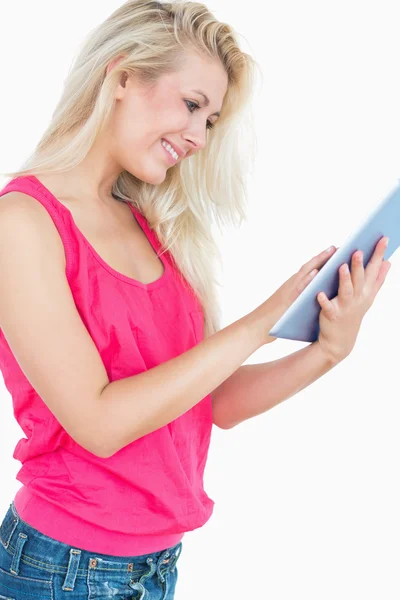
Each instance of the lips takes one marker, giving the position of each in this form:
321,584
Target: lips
178,150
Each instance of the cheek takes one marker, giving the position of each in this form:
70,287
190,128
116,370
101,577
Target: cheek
168,116
138,129
128,133
124,142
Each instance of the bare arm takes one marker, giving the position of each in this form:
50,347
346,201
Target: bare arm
44,330
254,389
135,406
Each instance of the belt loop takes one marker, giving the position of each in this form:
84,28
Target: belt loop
8,525
164,559
153,566
21,541
73,564
176,555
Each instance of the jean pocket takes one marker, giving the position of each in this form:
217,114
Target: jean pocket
197,317
27,581
14,586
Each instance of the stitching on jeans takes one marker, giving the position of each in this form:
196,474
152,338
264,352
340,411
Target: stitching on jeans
62,570
45,582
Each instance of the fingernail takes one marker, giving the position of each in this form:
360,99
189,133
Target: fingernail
329,249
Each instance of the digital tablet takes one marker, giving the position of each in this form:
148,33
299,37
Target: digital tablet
301,320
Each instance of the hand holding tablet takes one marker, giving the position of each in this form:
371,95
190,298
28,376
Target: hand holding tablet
301,321
340,319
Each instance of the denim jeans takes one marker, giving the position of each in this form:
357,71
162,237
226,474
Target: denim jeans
36,567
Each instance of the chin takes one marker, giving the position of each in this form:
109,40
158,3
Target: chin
154,177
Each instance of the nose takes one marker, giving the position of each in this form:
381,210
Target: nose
197,138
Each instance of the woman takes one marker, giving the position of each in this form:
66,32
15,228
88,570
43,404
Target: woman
116,362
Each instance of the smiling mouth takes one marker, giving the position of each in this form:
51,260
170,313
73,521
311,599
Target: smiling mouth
169,149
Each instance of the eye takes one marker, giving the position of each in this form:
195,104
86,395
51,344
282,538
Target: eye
196,107
193,106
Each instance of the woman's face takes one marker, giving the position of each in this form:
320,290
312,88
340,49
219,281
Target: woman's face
171,111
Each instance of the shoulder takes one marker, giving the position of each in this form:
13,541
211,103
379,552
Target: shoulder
25,221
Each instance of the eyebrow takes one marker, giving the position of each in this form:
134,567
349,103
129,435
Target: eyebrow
206,100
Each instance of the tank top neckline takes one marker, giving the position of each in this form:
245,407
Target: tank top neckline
142,222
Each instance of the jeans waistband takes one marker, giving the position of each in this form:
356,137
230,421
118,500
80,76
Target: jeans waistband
23,541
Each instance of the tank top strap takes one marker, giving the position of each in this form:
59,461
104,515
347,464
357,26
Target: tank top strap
150,234
28,184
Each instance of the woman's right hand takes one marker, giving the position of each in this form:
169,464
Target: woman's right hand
272,309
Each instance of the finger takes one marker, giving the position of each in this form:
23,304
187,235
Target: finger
304,281
380,280
357,272
373,266
346,290
326,305
317,261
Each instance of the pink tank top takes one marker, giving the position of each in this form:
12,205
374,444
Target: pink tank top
143,498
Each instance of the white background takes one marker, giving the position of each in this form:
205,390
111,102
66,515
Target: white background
306,494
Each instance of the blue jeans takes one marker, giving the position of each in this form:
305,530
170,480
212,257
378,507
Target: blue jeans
34,566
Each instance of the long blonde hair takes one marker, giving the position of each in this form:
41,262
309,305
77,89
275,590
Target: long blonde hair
206,187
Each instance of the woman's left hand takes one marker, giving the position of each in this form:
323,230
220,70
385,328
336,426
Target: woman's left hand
340,318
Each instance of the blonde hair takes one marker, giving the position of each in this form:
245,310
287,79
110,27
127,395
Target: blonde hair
208,186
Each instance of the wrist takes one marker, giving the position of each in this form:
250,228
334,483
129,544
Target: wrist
330,358
259,324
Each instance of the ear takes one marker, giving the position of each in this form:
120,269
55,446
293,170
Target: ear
124,76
